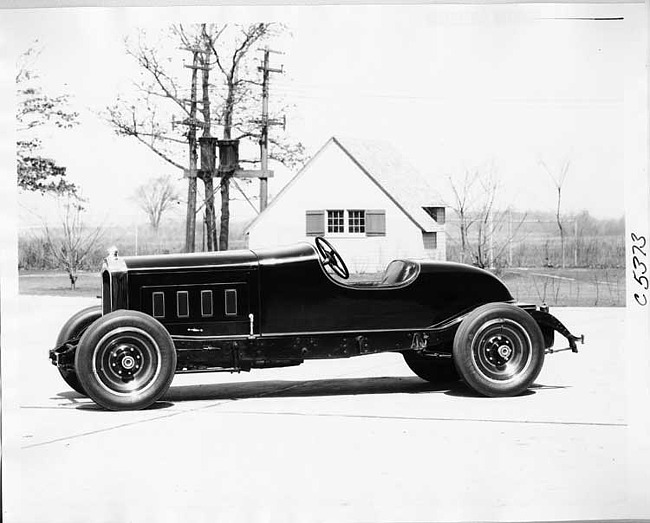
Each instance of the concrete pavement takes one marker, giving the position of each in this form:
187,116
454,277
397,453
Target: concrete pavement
341,440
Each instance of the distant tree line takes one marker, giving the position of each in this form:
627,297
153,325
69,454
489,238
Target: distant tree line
485,232
531,239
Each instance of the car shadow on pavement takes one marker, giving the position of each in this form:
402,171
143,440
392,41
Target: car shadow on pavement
96,408
464,391
69,395
308,388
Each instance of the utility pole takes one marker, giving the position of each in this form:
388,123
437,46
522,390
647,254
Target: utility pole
207,164
264,136
190,223
200,61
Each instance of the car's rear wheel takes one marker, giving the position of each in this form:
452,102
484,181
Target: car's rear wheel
73,328
431,368
125,360
499,350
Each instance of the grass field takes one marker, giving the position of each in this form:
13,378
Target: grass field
568,287
50,283
556,287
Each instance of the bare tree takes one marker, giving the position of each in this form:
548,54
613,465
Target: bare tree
155,197
230,64
485,230
485,223
239,101
150,115
558,179
463,205
71,247
163,119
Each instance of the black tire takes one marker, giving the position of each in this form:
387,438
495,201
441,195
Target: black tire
499,350
73,328
430,368
125,360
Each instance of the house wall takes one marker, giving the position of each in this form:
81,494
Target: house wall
333,181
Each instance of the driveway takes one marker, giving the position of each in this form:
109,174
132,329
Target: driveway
341,440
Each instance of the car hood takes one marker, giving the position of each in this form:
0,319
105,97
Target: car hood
223,259
184,261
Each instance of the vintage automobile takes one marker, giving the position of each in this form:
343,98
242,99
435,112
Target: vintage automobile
239,310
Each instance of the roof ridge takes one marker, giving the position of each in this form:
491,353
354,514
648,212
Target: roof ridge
377,183
388,167
378,174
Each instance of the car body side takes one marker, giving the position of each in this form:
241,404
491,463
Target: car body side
238,310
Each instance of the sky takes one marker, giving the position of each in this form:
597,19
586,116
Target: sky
500,87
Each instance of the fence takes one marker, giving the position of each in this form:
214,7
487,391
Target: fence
533,243
537,243
138,239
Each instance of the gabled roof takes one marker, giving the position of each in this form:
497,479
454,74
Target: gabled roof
407,187
390,171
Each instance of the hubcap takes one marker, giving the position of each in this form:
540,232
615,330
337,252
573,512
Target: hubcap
501,350
126,360
505,352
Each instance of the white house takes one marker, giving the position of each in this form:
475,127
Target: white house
365,199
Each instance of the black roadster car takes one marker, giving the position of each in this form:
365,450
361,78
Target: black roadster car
239,310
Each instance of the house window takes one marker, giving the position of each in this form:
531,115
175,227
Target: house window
182,304
335,222
437,213
356,222
430,240
339,221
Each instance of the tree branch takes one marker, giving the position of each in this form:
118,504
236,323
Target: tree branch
147,59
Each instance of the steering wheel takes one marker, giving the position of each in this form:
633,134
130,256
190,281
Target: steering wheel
331,257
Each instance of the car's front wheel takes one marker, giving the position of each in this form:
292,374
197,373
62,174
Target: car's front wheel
431,368
499,350
125,360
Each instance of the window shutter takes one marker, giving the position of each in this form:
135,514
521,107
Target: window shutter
315,223
376,223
